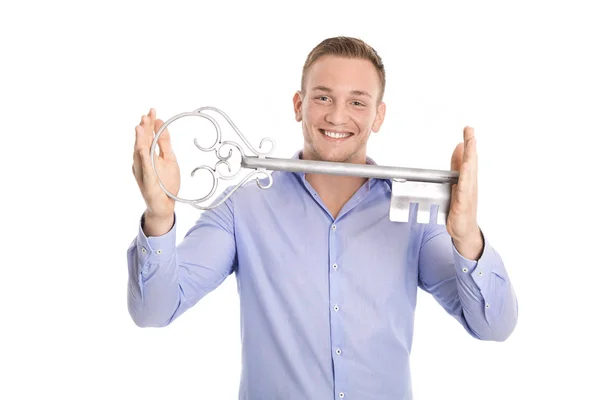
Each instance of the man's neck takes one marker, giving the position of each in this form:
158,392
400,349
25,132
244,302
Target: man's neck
335,190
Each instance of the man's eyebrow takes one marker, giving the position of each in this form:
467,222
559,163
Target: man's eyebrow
360,93
353,92
322,89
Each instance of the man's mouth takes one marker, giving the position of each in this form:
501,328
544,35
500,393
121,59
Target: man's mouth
335,135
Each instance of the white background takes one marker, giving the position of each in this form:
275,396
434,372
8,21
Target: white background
76,78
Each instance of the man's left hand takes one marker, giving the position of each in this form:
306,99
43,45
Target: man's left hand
462,217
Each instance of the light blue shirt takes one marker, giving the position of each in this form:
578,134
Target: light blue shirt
327,304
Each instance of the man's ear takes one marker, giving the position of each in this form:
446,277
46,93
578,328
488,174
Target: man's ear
379,117
298,106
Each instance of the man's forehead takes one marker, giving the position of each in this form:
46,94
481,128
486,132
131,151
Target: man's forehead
329,71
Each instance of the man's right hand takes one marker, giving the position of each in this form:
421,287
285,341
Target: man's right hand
160,208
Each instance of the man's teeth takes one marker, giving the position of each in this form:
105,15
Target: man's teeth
336,135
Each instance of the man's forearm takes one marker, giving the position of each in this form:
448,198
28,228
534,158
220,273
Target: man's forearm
156,225
471,248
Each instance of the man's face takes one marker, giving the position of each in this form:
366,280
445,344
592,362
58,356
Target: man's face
339,109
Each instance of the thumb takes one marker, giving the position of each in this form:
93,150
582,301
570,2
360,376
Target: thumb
457,157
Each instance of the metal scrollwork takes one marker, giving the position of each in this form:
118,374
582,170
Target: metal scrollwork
222,159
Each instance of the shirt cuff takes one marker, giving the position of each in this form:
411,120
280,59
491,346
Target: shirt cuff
155,247
477,270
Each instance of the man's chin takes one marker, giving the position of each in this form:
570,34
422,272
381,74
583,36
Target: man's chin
324,153
334,157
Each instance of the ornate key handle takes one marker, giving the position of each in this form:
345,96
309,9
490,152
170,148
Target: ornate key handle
217,147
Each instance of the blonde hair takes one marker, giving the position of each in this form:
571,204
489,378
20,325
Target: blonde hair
348,47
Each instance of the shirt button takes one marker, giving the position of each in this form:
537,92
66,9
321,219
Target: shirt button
336,308
338,352
480,273
333,227
159,251
334,266
487,305
144,250
341,395
465,270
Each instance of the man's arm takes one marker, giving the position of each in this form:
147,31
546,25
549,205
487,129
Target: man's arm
165,280
478,293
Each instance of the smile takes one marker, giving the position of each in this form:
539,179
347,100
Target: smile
335,135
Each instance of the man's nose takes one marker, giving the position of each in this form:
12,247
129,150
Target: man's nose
337,114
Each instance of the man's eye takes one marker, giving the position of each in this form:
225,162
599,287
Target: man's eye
324,98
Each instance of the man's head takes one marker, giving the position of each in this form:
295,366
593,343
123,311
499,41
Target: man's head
340,101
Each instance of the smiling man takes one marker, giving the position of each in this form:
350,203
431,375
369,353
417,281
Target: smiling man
327,283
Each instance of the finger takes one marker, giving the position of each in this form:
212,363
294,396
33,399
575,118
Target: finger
164,141
473,180
141,141
151,133
141,156
470,153
148,126
152,116
459,200
464,183
454,198
472,158
468,133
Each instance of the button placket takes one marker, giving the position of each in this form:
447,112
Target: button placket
337,336
333,301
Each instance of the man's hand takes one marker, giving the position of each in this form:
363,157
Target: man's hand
462,218
160,208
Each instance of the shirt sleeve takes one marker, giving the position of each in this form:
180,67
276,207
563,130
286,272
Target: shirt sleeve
478,293
166,279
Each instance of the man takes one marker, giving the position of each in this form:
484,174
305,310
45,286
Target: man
327,283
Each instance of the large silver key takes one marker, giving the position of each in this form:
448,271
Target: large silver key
430,190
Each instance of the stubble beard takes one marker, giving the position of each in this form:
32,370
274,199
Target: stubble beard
333,155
